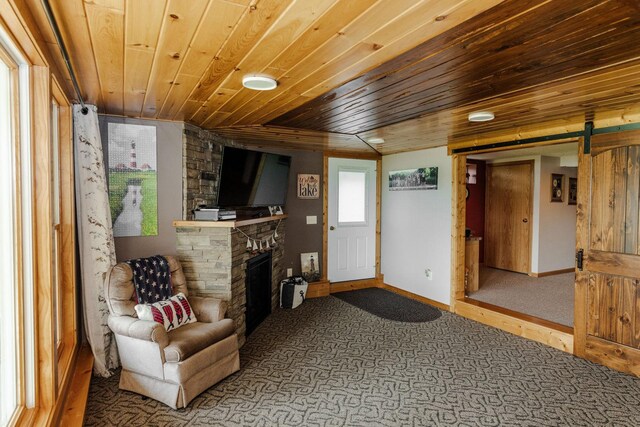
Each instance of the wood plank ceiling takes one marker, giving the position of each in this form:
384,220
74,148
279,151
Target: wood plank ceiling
406,70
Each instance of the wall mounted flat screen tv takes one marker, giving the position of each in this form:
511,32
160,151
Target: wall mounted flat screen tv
252,178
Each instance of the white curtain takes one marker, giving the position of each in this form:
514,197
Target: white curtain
95,237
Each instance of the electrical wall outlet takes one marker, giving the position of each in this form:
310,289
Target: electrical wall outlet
312,219
428,273
289,272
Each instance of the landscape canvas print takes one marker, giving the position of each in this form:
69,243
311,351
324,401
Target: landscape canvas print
133,180
414,179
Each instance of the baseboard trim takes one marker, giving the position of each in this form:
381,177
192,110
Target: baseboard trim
525,326
318,289
353,285
552,273
76,403
416,297
324,288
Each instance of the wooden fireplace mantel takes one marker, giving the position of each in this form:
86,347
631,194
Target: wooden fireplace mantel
228,223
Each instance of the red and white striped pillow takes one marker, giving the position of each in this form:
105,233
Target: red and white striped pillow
171,313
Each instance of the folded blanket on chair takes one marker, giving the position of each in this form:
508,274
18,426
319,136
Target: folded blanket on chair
152,279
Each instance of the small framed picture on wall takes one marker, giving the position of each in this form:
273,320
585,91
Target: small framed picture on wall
310,266
308,186
573,191
557,187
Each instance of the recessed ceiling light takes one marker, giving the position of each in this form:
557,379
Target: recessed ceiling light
251,81
375,140
481,116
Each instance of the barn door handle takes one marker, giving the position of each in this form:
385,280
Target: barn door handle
525,220
580,259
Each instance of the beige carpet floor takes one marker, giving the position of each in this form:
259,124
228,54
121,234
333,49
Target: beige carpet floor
550,298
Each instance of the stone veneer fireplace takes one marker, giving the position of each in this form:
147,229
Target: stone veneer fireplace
214,259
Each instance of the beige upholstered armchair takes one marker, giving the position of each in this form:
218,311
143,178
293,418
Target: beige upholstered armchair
171,367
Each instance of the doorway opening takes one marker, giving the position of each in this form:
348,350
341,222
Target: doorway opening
521,222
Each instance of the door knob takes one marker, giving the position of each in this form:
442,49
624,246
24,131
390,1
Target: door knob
525,220
332,228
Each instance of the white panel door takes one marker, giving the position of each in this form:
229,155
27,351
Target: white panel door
351,219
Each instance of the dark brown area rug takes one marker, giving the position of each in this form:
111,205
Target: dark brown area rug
389,305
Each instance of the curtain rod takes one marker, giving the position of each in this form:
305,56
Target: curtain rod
65,54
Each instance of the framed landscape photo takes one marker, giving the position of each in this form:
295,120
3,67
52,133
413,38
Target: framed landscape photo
573,191
557,187
414,179
310,266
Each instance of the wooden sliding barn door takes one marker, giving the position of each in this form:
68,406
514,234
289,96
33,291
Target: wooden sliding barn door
508,201
607,314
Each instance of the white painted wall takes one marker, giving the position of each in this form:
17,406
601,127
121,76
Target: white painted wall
557,221
416,227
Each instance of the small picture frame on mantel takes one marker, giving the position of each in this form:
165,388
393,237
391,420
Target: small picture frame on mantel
275,210
557,188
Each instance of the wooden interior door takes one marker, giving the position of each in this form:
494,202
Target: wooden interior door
509,197
607,305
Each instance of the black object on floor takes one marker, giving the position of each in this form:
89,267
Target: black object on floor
389,305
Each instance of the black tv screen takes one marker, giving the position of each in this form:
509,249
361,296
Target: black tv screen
253,178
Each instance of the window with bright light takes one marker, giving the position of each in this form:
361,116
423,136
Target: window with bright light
8,259
17,327
352,200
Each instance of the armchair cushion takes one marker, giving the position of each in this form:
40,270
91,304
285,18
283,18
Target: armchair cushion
171,313
208,309
194,337
139,329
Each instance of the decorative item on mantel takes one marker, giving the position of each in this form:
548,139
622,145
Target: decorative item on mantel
276,210
261,245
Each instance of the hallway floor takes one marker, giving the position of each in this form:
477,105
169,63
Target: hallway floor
550,297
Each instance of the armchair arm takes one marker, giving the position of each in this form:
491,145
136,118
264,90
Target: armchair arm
139,329
208,310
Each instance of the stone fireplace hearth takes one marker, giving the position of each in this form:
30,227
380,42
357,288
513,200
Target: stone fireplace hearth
214,259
